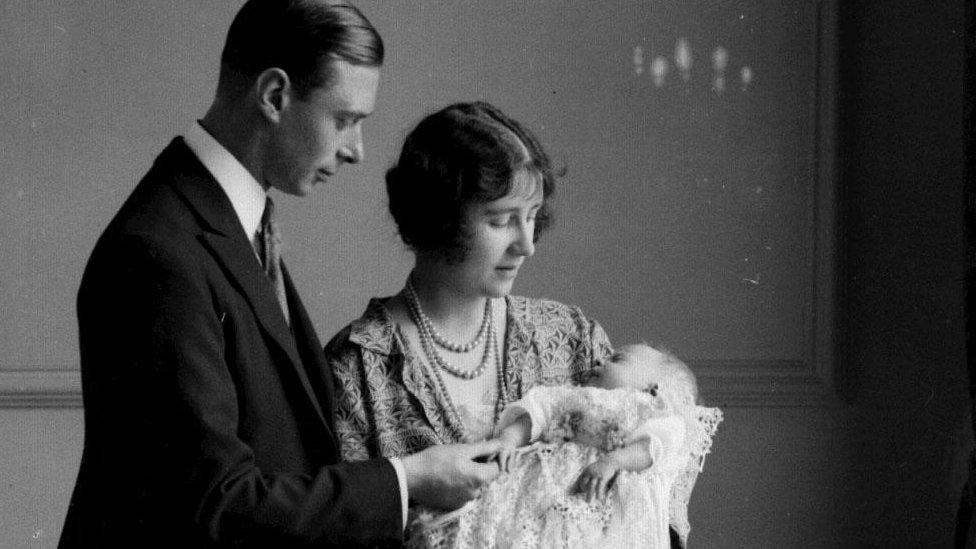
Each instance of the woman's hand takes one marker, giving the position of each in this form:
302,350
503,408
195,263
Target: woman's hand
597,479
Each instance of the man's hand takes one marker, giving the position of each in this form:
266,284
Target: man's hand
446,477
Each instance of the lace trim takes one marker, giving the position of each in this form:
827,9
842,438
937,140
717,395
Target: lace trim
703,423
500,517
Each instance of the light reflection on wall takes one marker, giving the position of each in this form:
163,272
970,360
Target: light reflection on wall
659,67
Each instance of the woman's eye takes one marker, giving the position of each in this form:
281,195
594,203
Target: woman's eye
498,221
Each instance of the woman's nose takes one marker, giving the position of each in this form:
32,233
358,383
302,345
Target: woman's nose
524,244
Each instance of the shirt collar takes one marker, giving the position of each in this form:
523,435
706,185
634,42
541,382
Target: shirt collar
246,195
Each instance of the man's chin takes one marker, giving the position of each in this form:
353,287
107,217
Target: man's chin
301,190
297,189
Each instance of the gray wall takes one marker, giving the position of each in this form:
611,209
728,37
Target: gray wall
656,218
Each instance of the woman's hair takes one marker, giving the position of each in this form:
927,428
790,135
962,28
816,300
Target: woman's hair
296,36
463,154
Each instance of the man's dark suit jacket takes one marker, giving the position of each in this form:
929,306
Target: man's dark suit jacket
208,421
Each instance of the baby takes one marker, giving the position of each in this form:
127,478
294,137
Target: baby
604,460
636,367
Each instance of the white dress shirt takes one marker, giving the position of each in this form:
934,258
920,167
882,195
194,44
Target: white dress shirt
248,198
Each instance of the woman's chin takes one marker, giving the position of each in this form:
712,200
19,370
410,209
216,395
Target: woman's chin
497,294
501,288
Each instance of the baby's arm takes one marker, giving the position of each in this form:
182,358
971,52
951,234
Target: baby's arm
647,445
597,477
521,421
512,436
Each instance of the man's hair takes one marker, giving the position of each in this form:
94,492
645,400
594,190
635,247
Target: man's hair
296,36
463,154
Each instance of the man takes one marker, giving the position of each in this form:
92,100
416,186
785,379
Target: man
208,402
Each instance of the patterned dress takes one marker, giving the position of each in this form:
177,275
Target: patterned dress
388,404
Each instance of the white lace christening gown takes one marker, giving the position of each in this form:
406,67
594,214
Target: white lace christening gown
534,506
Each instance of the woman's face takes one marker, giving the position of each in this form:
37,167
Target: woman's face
500,238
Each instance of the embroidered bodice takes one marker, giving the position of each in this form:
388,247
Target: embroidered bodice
387,402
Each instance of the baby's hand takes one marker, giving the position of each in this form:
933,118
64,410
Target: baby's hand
506,455
597,479
513,435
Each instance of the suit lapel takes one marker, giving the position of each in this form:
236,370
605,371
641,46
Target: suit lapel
310,350
224,237
260,294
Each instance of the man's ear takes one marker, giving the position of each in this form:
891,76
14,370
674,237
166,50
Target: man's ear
273,91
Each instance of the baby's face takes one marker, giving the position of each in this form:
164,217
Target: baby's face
633,366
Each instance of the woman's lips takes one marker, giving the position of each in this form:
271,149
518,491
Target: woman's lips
508,271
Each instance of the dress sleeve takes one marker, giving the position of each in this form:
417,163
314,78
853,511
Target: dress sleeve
550,343
595,346
599,341
352,428
665,437
539,404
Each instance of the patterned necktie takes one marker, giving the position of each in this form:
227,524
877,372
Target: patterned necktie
271,244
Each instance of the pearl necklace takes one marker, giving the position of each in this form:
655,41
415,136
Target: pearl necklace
433,356
428,344
501,399
440,340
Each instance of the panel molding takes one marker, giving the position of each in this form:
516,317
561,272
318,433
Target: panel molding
768,384
813,380
723,383
40,388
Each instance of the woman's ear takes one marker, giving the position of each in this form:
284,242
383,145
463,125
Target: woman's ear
272,89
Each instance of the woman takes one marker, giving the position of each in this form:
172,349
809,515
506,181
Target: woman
437,362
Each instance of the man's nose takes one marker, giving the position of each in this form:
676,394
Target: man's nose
352,150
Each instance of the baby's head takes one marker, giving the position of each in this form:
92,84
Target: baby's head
644,368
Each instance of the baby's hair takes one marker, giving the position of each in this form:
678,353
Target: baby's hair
681,370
